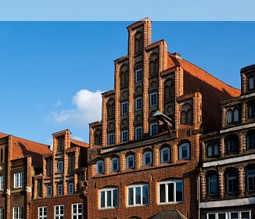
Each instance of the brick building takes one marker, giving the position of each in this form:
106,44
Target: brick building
144,154
20,159
228,173
60,190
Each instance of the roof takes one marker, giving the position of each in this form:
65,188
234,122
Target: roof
22,148
169,214
79,143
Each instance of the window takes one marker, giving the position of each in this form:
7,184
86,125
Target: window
61,140
115,164
165,155
186,114
252,110
1,213
71,162
18,180
130,161
138,195
49,166
138,75
138,42
124,136
212,184
49,190
229,116
251,83
153,129
59,212
153,99
170,191
124,108
233,116
39,188
232,144
138,132
250,177
138,103
100,166
18,213
70,188
212,149
77,211
250,142
60,166
184,151
109,198
236,115
231,182
1,183
111,138
230,215
60,189
147,158
42,212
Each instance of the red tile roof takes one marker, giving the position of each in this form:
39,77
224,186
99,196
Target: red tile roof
79,143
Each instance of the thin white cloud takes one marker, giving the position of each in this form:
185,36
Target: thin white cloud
87,108
77,138
58,103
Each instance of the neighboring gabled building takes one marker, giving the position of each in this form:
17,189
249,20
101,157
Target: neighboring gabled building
60,190
228,156
144,154
20,159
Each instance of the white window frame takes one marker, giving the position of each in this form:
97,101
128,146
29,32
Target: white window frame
112,193
132,157
162,153
182,147
77,210
98,164
153,129
1,213
49,191
138,75
138,132
124,108
153,99
111,138
42,212
17,212
60,166
136,195
59,212
70,188
1,183
165,184
60,189
124,136
147,154
115,161
138,103
228,214
18,180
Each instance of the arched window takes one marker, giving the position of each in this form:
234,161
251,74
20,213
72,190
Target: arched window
184,151
138,42
154,65
229,113
232,144
250,140
110,108
100,167
212,184
212,149
115,164
236,115
251,84
186,114
231,180
98,138
130,161
250,178
165,155
147,158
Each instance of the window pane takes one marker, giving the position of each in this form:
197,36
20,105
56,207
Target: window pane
222,216
162,189
102,199
211,216
109,198
145,195
179,191
138,195
115,198
130,196
234,215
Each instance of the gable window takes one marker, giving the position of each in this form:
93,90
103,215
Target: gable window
154,65
153,129
212,149
49,191
124,108
138,42
251,83
109,198
60,166
100,166
231,182
184,151
153,99
42,212
250,141
138,75
61,141
252,111
250,177
18,213
130,161
212,183
138,103
138,195
59,212
115,164
165,155
186,114
138,132
170,191
70,188
232,144
1,183
124,136
71,162
147,158
111,138
18,180
77,211
60,189
49,166
110,108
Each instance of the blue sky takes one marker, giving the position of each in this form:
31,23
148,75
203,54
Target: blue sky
52,73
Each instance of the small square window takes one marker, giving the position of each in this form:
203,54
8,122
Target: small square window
153,99
138,75
124,109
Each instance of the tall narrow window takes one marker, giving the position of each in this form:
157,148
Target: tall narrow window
124,108
250,141
212,184
231,182
18,180
77,211
71,163
165,155
124,136
60,189
153,99
60,166
18,213
138,75
100,166
147,158
236,115
1,213
59,212
138,103
49,166
251,82
49,191
138,132
111,138
1,183
70,188
130,161
232,144
252,110
153,129
61,140
184,151
115,164
229,113
250,176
